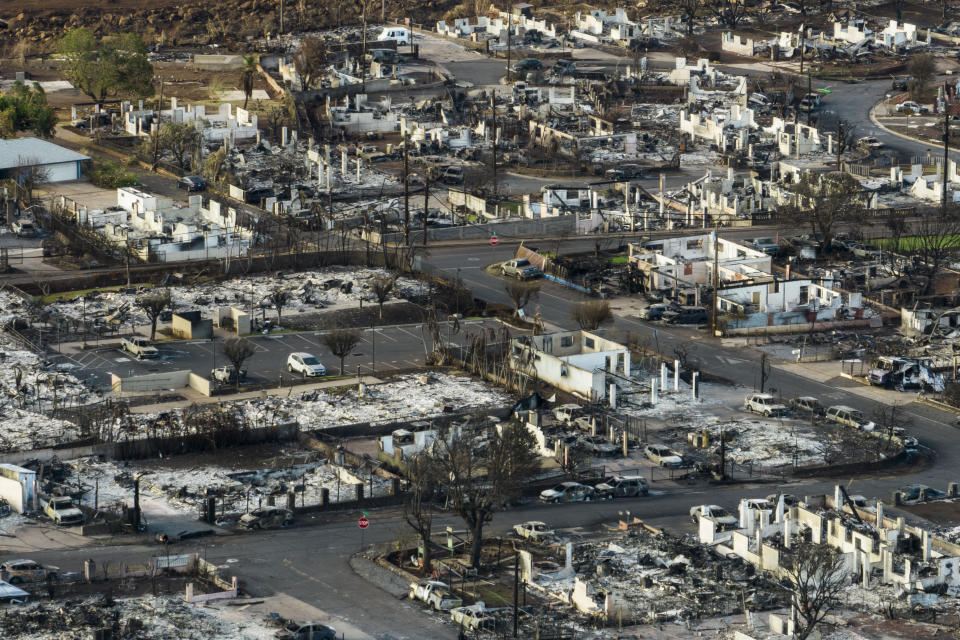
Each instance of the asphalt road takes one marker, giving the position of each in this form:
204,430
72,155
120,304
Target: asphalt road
381,351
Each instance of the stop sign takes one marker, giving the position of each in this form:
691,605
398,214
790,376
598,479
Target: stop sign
363,523
494,240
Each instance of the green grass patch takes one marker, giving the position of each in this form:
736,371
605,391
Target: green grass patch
912,243
70,295
619,260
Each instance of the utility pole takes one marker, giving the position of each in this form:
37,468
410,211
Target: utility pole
156,135
426,202
516,588
809,91
281,17
493,138
716,279
509,28
406,194
363,55
946,151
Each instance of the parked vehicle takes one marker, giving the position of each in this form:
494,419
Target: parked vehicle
807,404
624,172
452,175
900,84
306,631
62,511
653,312
20,571
24,228
169,536
598,445
561,67
788,499
399,34
227,374
567,492
662,455
764,404
139,347
716,513
533,530
436,594
520,268
192,183
869,142
689,315
471,617
848,417
527,64
912,107
912,492
267,518
767,245
623,487
305,364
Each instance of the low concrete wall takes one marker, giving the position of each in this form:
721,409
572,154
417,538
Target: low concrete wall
800,327
67,453
200,384
150,381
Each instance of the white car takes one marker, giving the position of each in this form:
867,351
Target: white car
534,530
714,512
764,404
305,364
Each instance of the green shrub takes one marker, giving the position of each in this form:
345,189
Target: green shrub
110,175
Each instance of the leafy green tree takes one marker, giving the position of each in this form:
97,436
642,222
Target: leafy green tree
25,108
116,66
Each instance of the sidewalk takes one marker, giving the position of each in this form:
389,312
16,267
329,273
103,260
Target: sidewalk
829,373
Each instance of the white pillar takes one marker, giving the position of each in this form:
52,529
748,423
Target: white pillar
329,171
343,163
676,375
653,390
358,168
663,375
613,395
879,515
695,385
284,136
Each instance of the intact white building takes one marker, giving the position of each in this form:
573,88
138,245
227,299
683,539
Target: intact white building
59,163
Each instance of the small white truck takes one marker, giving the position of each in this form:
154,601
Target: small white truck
62,511
139,347
434,593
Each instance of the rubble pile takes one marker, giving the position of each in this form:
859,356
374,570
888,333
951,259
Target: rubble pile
409,397
158,618
659,578
28,391
236,489
311,291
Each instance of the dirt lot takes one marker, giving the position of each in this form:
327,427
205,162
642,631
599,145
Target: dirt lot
944,513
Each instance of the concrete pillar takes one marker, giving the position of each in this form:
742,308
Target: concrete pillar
786,532
695,385
326,154
663,375
653,390
569,557
291,500
837,499
89,570
887,565
925,542
258,137
625,442
358,168
676,375
73,112
343,163
613,395
866,568
329,172
952,490
284,136
900,523
879,515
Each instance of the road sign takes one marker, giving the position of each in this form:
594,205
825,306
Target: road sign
494,240
363,523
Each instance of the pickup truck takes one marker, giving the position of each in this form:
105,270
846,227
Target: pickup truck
520,268
436,594
62,511
139,347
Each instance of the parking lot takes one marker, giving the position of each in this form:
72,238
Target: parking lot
381,351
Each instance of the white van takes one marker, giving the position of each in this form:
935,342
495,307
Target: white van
400,34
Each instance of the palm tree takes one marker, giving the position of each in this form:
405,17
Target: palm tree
247,75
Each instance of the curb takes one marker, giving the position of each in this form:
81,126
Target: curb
873,119
394,581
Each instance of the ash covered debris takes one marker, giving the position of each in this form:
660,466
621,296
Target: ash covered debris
641,577
157,618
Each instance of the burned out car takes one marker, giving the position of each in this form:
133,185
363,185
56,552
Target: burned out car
20,571
623,487
807,404
267,518
533,530
306,631
568,492
662,455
